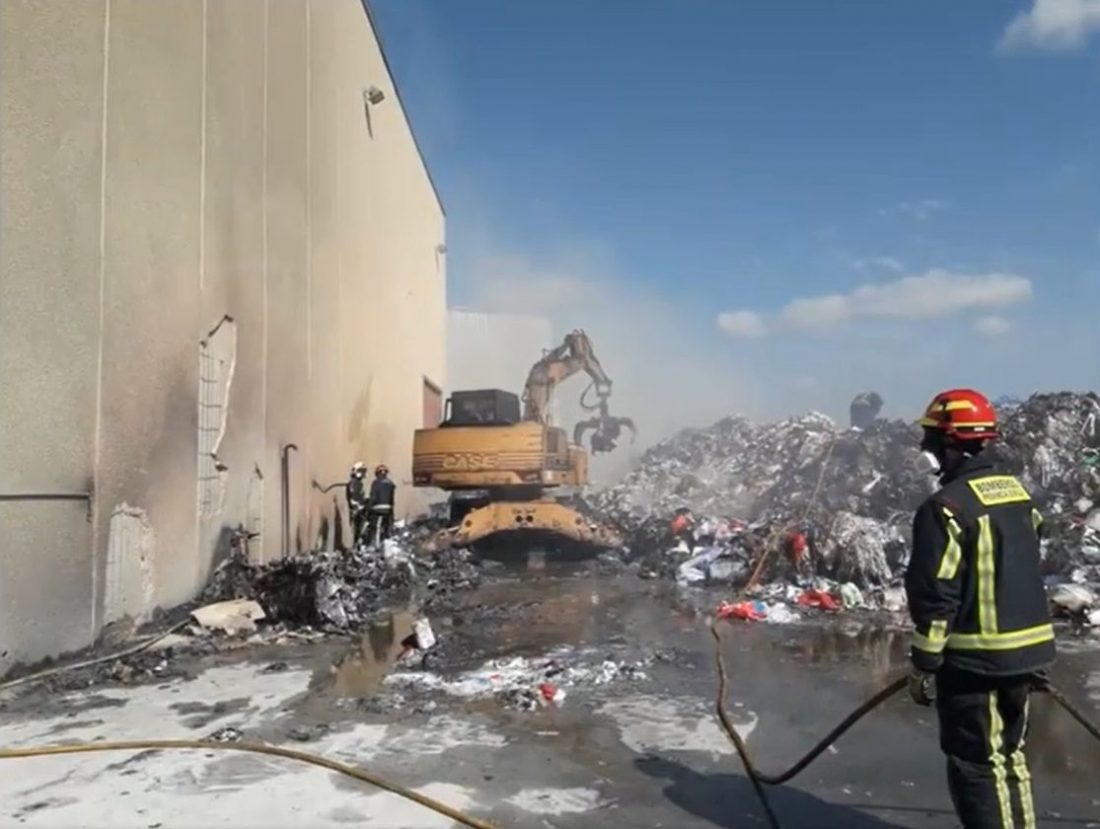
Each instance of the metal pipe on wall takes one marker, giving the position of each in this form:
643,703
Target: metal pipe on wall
49,496
285,452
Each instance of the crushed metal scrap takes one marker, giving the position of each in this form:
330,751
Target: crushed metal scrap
702,506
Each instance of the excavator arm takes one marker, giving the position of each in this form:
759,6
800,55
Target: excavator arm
575,354
556,366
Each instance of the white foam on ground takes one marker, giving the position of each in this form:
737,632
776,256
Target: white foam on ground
1092,685
557,801
148,712
443,734
389,811
181,790
213,787
648,724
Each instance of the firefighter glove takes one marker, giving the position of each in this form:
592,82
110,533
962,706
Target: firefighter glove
1040,680
922,687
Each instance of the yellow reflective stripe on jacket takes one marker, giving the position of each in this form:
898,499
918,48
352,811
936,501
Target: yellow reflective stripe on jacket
1023,638
936,639
1036,519
952,554
987,583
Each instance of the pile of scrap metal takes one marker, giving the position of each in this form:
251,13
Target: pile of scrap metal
850,492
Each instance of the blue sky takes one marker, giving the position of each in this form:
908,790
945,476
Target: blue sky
690,179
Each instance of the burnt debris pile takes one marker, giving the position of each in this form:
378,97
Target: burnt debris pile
837,502
337,590
1053,443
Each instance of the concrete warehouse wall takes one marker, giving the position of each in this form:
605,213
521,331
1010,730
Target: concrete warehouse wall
166,165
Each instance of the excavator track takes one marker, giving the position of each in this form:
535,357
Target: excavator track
522,524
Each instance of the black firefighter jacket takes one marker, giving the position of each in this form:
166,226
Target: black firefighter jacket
974,584
381,495
357,495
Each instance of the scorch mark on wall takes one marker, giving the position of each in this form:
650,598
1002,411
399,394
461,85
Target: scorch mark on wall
256,509
217,360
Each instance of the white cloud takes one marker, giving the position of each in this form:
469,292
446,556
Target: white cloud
937,293
885,263
742,324
1056,25
992,326
920,210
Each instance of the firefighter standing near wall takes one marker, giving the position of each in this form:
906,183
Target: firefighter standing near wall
380,505
357,501
983,634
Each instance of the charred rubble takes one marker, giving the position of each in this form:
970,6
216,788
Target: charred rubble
300,599
342,590
851,492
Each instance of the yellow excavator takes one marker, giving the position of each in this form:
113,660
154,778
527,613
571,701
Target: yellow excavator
502,463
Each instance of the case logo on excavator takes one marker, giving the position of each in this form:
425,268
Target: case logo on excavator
470,460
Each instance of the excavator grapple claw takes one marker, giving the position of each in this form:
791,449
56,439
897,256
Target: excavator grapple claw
606,430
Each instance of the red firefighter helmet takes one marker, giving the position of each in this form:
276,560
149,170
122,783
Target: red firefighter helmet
962,414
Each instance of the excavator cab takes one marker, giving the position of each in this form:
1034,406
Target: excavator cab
483,407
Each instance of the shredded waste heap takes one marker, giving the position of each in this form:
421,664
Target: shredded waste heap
850,492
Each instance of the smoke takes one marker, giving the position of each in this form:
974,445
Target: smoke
667,373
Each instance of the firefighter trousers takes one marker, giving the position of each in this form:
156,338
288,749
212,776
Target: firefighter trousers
379,525
983,724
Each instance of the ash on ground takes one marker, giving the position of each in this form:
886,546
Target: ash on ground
834,506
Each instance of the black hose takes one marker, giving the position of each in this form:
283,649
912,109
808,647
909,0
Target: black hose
759,779
731,732
1089,725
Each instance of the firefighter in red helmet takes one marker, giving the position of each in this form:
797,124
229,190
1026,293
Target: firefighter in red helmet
982,631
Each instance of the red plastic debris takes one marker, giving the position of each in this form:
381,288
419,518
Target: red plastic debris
548,691
796,545
819,598
741,610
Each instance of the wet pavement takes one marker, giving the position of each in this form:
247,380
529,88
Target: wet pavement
637,748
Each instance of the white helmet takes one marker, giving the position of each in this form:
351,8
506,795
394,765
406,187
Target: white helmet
358,468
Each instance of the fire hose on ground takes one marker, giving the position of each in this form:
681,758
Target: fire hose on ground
758,778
